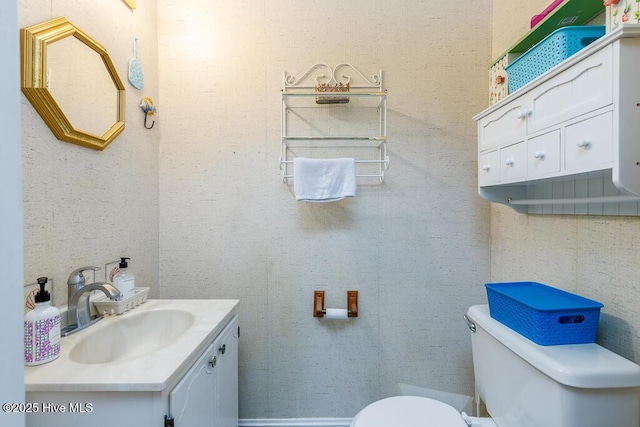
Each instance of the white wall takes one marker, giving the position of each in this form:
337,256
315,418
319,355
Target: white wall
86,207
594,256
11,357
415,247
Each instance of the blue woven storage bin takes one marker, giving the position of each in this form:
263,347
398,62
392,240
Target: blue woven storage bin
545,315
549,52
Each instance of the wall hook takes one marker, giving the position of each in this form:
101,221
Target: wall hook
149,110
145,122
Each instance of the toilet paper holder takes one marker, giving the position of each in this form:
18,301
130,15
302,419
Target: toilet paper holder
320,311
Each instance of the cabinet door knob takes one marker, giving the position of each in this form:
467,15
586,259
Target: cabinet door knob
584,144
539,155
213,361
523,114
223,348
509,162
486,168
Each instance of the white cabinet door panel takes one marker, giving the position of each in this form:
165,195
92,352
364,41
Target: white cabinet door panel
207,396
227,372
513,163
192,400
543,155
504,126
489,168
589,144
583,88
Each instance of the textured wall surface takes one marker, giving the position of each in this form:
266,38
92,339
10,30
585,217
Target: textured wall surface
594,256
510,21
85,207
416,247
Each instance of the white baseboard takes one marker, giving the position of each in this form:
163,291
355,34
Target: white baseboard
294,422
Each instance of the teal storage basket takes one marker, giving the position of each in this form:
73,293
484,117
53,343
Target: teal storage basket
549,52
545,315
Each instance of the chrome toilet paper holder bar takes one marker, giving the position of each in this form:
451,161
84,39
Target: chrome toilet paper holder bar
320,311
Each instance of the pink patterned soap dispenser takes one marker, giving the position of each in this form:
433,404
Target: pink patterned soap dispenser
42,329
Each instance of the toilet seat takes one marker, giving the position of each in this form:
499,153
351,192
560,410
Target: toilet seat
408,411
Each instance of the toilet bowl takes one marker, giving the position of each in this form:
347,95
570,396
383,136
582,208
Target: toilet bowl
415,411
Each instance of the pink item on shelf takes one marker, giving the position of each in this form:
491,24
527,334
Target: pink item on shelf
537,18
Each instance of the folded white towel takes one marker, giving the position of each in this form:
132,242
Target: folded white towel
323,180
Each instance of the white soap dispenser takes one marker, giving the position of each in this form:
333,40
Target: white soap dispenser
124,280
42,329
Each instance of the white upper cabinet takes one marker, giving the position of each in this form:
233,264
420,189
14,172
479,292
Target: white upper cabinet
568,142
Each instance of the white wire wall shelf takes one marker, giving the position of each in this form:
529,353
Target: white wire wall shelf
335,112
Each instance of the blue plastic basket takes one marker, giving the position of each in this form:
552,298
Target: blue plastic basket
545,315
549,52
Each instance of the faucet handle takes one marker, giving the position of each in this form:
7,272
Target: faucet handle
77,278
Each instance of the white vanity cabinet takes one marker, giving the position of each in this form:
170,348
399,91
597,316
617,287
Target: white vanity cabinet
569,141
208,394
190,382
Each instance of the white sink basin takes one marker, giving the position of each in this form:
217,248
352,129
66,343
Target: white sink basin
147,348
131,336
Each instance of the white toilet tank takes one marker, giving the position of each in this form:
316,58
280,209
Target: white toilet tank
527,385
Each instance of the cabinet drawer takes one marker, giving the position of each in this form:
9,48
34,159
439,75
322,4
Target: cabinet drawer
543,155
585,87
505,126
589,144
489,168
513,163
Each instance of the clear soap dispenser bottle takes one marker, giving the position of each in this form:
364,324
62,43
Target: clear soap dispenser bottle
124,280
42,329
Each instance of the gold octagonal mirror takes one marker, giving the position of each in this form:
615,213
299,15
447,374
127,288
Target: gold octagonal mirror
71,82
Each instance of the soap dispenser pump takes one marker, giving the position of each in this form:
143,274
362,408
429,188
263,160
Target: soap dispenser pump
42,329
124,279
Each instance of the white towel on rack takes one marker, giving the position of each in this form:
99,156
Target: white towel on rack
323,180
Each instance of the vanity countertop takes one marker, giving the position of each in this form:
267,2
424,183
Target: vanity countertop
153,371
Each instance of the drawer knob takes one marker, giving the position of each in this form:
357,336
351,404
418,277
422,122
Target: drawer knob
509,162
523,114
584,144
539,155
486,168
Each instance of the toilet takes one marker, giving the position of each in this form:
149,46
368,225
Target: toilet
524,384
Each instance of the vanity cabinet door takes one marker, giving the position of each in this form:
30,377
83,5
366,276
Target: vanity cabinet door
192,400
227,376
207,396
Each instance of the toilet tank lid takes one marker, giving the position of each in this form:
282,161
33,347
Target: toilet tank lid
575,365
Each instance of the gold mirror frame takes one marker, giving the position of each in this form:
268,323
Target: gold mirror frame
33,45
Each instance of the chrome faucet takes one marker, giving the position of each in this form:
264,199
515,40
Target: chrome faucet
78,301
75,282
